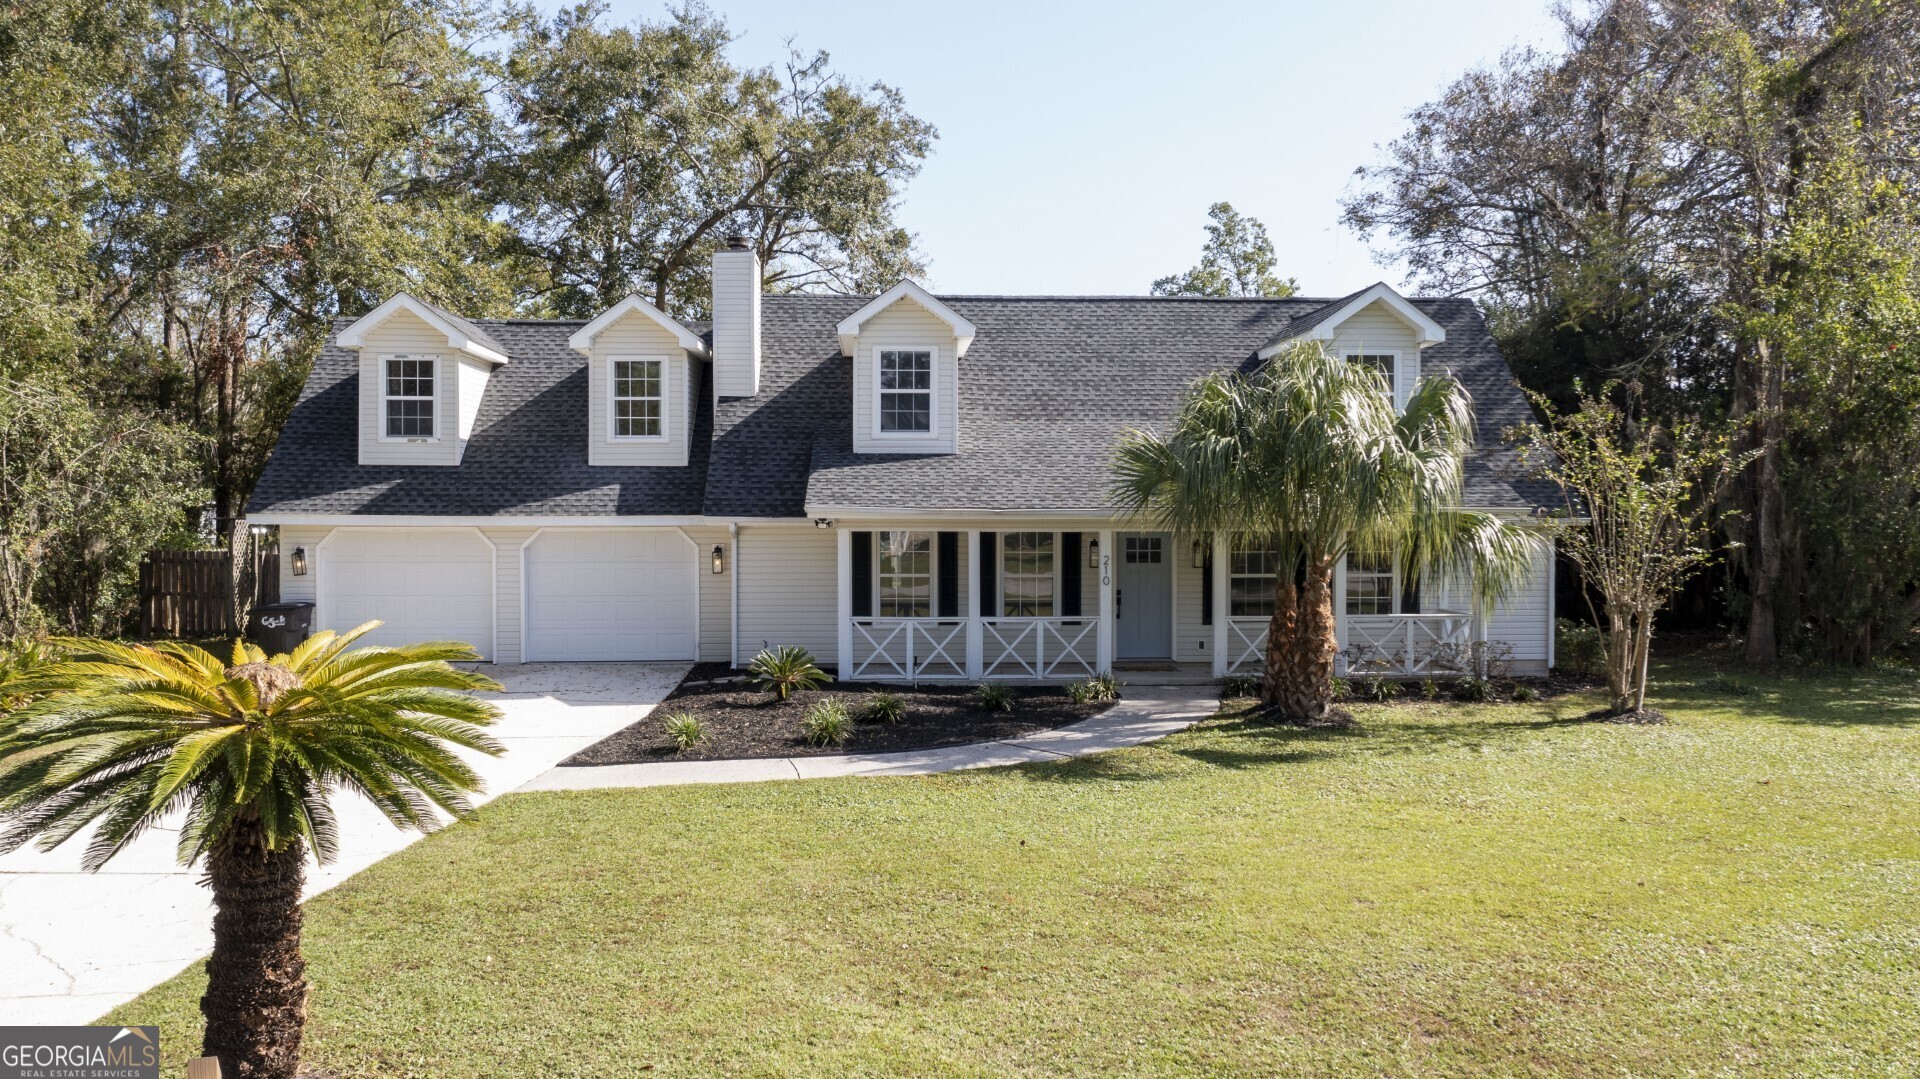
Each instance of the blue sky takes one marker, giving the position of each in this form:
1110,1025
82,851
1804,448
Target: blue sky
1080,144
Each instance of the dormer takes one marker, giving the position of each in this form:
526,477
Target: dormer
639,385
1375,325
423,371
906,347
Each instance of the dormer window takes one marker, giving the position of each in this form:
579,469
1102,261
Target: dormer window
905,395
1382,362
409,401
639,397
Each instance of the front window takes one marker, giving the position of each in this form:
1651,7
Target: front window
905,571
409,397
1251,567
1026,574
639,398
1370,585
906,391
1381,363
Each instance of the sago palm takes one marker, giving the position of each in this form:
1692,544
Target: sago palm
119,736
1309,454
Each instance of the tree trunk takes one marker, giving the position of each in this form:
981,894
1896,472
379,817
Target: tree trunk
1301,645
256,1000
1619,652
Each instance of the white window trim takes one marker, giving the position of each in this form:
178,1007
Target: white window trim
438,389
666,400
1236,544
1001,575
932,433
1392,356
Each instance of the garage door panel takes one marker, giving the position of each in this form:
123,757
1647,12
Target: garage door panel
424,586
610,594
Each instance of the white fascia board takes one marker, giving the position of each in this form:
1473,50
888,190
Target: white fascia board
355,336
849,328
582,339
1429,331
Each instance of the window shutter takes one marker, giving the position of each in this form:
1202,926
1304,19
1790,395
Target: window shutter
989,567
1410,598
946,561
1070,574
863,575
1206,587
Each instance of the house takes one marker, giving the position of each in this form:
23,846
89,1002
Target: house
911,486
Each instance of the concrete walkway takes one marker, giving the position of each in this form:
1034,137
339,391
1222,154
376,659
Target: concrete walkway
1147,713
74,945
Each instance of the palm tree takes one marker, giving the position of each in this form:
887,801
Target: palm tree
1309,454
121,736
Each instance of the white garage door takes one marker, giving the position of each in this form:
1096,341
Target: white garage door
607,593
424,584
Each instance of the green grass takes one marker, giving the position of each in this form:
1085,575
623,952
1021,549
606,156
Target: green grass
1448,889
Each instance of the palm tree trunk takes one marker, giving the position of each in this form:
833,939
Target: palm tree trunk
256,1000
1301,645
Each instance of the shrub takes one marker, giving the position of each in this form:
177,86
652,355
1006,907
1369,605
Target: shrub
993,697
884,707
1100,689
685,729
1240,685
782,670
1479,690
827,723
1524,693
1340,688
1577,647
1380,689
1430,689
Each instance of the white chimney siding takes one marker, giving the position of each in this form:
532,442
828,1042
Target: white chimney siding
736,322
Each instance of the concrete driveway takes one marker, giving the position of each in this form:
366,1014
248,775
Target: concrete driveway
74,944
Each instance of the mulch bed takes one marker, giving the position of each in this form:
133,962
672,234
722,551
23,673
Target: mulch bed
742,723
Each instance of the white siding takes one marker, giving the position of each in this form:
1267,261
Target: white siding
716,593
1376,329
299,589
405,333
509,592
637,337
736,323
472,377
1192,639
1521,619
905,324
789,589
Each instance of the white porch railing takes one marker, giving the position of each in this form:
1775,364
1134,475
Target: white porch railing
1039,647
909,649
1408,645
1433,643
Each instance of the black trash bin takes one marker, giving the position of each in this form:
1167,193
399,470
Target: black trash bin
280,627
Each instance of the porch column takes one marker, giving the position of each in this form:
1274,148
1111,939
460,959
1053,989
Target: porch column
844,626
1222,604
1103,635
975,631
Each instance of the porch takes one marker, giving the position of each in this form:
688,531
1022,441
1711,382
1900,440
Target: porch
1040,604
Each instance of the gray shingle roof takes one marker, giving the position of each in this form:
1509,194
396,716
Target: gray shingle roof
473,330
1046,390
1307,320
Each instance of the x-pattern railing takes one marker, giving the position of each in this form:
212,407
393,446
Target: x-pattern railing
909,648
1247,640
1407,644
1038,647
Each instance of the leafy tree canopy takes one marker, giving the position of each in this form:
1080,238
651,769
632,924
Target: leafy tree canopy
1237,260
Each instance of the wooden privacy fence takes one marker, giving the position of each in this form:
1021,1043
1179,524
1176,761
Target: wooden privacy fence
191,593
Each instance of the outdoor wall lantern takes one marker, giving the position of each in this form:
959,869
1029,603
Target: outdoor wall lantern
1199,555
719,558
1093,554
299,561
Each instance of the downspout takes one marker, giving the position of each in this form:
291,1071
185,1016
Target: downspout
733,604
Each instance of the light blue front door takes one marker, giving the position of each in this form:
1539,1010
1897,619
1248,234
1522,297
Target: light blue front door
1143,596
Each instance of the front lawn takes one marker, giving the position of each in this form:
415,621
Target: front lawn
1446,888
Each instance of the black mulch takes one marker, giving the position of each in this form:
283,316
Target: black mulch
743,723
